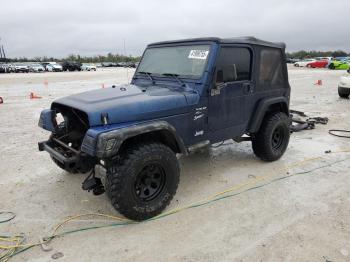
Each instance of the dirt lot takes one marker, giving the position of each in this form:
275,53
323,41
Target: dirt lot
302,218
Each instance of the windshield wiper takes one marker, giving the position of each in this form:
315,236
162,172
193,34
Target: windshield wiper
147,74
176,76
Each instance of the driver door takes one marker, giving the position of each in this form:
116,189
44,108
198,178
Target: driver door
227,105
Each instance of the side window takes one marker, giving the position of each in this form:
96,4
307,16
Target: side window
271,74
240,56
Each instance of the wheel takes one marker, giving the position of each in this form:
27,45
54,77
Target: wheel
342,95
309,66
143,182
297,65
331,66
271,141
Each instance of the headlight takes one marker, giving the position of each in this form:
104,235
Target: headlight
47,120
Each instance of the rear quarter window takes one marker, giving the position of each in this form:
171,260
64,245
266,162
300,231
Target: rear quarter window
271,72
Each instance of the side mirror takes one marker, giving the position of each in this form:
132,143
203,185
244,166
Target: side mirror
226,74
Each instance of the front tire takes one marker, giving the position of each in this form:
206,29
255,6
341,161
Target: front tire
271,141
143,182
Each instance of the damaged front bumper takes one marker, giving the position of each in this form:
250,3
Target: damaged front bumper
64,154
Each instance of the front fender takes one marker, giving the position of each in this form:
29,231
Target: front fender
109,142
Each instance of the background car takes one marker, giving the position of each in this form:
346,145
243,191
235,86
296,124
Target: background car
21,68
71,66
54,68
9,68
88,67
318,64
340,64
126,64
36,68
292,60
2,68
344,85
304,62
107,64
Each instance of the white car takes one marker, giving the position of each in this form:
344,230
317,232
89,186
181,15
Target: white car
344,86
36,68
21,68
88,67
304,62
54,68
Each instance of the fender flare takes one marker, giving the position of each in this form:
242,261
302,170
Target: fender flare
261,110
120,135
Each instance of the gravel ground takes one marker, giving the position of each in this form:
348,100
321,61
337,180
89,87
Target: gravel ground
302,218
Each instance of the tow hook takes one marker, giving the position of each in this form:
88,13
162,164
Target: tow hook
93,183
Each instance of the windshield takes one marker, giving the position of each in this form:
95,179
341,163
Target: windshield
186,61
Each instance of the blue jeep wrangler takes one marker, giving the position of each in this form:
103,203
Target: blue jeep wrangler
184,95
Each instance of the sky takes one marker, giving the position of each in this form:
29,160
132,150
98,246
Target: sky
58,28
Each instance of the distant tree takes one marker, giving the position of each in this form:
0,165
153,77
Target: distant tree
307,54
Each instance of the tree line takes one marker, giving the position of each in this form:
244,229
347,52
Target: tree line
306,54
115,58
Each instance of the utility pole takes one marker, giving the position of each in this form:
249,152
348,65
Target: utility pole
3,51
0,50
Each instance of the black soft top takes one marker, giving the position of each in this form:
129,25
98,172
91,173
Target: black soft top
234,40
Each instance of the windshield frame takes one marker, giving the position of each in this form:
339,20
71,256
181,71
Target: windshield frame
189,77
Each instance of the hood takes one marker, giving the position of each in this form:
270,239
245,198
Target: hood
129,103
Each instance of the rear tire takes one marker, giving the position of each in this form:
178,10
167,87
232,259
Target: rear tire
271,141
143,182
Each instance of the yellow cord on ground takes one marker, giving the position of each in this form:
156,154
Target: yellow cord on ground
88,214
18,240
239,186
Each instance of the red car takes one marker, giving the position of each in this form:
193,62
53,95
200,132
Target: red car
318,64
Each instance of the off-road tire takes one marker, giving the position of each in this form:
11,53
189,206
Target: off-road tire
343,95
264,141
123,178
